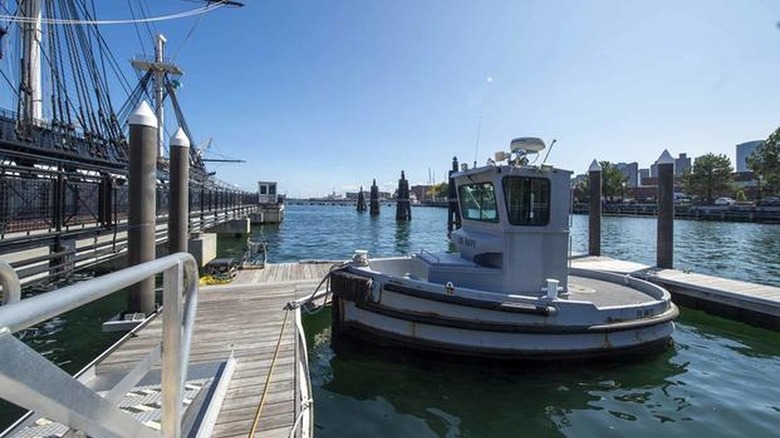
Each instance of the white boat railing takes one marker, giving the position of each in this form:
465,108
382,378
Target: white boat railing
429,256
29,380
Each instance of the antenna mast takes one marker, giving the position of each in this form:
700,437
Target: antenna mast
479,131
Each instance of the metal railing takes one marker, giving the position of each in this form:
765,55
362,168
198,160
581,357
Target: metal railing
34,199
303,425
12,292
31,381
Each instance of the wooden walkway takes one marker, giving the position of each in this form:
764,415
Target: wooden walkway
244,317
752,303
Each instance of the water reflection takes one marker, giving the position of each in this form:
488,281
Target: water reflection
477,398
718,379
402,231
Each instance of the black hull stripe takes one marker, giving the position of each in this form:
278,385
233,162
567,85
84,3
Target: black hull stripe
375,336
443,321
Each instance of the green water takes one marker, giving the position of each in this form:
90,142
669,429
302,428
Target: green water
717,380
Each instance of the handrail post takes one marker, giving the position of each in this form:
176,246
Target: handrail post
172,372
12,291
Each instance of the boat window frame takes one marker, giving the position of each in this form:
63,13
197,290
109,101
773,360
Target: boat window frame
527,223
482,217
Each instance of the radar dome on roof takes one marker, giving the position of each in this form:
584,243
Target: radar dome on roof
527,144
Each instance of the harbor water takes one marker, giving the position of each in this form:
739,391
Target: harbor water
716,380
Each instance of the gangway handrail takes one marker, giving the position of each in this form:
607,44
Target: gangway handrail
12,291
303,391
31,381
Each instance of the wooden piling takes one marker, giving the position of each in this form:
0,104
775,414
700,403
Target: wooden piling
361,201
374,201
403,205
594,209
665,235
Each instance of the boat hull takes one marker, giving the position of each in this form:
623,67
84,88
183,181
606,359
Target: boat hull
383,312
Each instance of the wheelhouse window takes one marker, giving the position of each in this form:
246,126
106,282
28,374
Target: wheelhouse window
478,202
527,200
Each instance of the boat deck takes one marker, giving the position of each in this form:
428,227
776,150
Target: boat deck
244,317
604,293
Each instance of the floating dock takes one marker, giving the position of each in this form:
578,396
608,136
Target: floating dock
755,304
246,317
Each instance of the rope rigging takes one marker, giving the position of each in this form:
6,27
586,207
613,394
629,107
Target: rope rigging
212,6
63,86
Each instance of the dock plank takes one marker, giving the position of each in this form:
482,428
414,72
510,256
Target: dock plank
244,317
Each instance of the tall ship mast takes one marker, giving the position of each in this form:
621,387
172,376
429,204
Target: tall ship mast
57,108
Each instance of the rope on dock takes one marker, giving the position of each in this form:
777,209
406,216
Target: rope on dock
268,377
335,267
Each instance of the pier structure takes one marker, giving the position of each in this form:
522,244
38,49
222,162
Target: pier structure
56,221
403,206
64,181
727,213
271,208
374,200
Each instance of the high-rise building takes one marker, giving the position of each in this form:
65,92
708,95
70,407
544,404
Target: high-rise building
743,152
643,174
631,172
682,164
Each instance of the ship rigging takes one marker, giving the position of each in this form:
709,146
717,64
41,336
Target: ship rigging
73,121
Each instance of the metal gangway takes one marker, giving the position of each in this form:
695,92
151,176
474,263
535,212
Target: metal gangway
177,399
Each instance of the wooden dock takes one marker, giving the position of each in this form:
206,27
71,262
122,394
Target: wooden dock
755,304
244,317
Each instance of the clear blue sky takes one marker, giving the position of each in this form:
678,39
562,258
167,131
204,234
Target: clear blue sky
324,95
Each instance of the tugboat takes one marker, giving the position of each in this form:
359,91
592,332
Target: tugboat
508,292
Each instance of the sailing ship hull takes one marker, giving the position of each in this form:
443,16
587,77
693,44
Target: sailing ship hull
400,311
